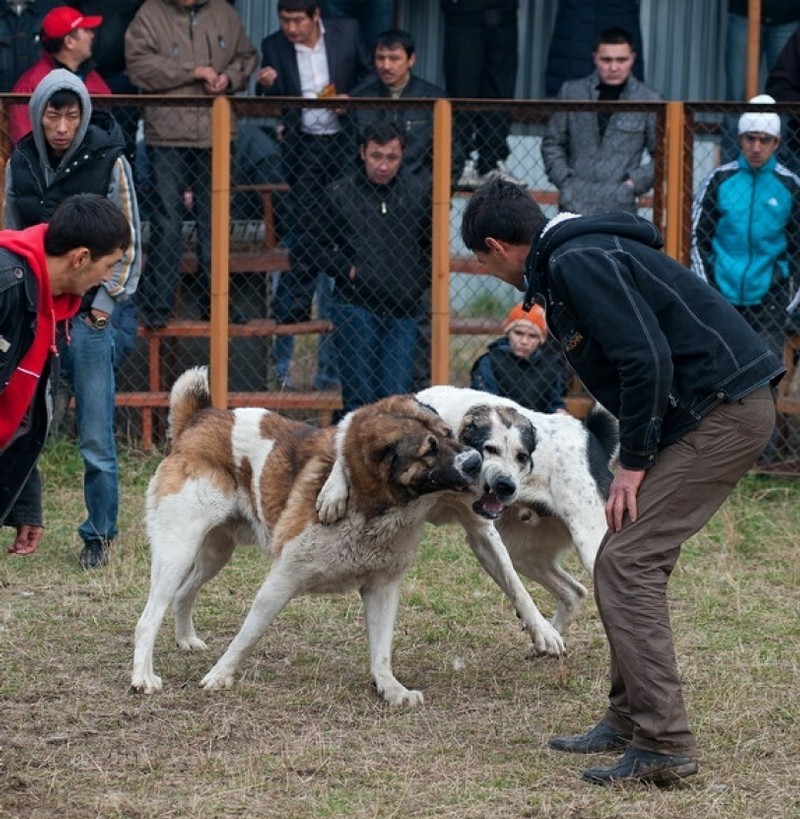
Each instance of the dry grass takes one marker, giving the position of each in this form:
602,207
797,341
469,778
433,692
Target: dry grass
302,733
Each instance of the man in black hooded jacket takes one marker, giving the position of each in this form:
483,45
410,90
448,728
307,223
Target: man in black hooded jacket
689,381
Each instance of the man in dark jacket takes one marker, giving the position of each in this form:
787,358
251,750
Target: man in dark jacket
689,381
376,239
44,271
309,58
394,57
73,149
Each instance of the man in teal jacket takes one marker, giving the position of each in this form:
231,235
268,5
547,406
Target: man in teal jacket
746,227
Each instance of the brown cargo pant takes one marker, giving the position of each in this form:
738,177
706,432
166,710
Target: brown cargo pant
678,496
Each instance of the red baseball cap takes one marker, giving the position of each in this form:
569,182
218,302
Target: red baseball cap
61,20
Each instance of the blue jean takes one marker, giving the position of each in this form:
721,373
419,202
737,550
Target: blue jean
375,354
88,366
374,16
174,170
773,39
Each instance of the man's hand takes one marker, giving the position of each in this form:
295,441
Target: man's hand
622,497
267,76
219,85
27,539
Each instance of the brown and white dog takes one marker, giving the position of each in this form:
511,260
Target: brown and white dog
250,475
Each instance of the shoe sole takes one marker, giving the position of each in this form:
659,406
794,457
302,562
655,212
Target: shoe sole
660,777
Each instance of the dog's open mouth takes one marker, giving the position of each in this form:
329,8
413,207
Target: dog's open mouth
489,506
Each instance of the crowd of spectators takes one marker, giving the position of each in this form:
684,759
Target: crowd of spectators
355,212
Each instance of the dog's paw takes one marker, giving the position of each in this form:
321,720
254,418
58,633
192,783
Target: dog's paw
217,680
146,684
193,643
546,641
332,498
400,697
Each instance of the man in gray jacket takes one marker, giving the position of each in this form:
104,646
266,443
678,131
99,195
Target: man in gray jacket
595,160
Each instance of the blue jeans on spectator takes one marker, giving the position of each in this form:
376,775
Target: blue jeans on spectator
773,39
375,354
374,16
87,364
172,171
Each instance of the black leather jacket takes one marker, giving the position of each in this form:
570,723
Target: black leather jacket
651,341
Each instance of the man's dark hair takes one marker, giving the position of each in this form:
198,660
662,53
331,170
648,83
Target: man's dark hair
382,132
613,35
62,98
502,210
394,37
308,7
87,220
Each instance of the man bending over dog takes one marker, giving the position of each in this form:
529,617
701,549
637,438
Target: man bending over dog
689,381
44,271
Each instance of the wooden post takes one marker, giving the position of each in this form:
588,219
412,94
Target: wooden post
675,179
440,275
220,248
753,46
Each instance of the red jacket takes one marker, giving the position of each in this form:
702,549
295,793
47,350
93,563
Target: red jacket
19,123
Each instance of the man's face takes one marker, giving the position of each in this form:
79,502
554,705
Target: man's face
60,126
393,65
758,148
81,40
614,63
299,28
504,261
91,272
382,162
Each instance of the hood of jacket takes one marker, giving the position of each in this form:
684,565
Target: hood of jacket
60,79
567,226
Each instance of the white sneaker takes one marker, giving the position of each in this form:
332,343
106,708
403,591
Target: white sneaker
470,178
501,172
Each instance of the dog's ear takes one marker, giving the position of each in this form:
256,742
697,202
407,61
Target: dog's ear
476,428
529,437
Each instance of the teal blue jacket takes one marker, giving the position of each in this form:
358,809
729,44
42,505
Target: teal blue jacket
746,230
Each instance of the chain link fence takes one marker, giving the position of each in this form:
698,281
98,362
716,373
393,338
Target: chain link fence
332,261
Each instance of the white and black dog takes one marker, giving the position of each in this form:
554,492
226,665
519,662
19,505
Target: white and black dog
542,505
250,475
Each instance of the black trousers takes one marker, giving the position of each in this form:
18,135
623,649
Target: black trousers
480,62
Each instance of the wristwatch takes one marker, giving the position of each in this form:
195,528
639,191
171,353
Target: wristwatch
98,322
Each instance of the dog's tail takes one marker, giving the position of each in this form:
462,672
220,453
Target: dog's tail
603,446
189,394
602,424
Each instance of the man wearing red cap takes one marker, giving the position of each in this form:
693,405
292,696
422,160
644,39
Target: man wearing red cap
66,39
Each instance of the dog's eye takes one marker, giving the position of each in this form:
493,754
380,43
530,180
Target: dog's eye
523,457
433,446
491,449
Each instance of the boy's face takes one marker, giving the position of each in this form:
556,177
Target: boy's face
758,148
60,126
524,340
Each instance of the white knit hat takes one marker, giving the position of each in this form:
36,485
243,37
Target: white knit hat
756,122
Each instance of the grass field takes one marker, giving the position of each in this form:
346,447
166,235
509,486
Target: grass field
302,733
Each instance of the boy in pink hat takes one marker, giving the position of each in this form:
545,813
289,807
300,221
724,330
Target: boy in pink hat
66,38
517,365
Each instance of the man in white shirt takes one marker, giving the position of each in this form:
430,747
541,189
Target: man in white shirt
309,58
